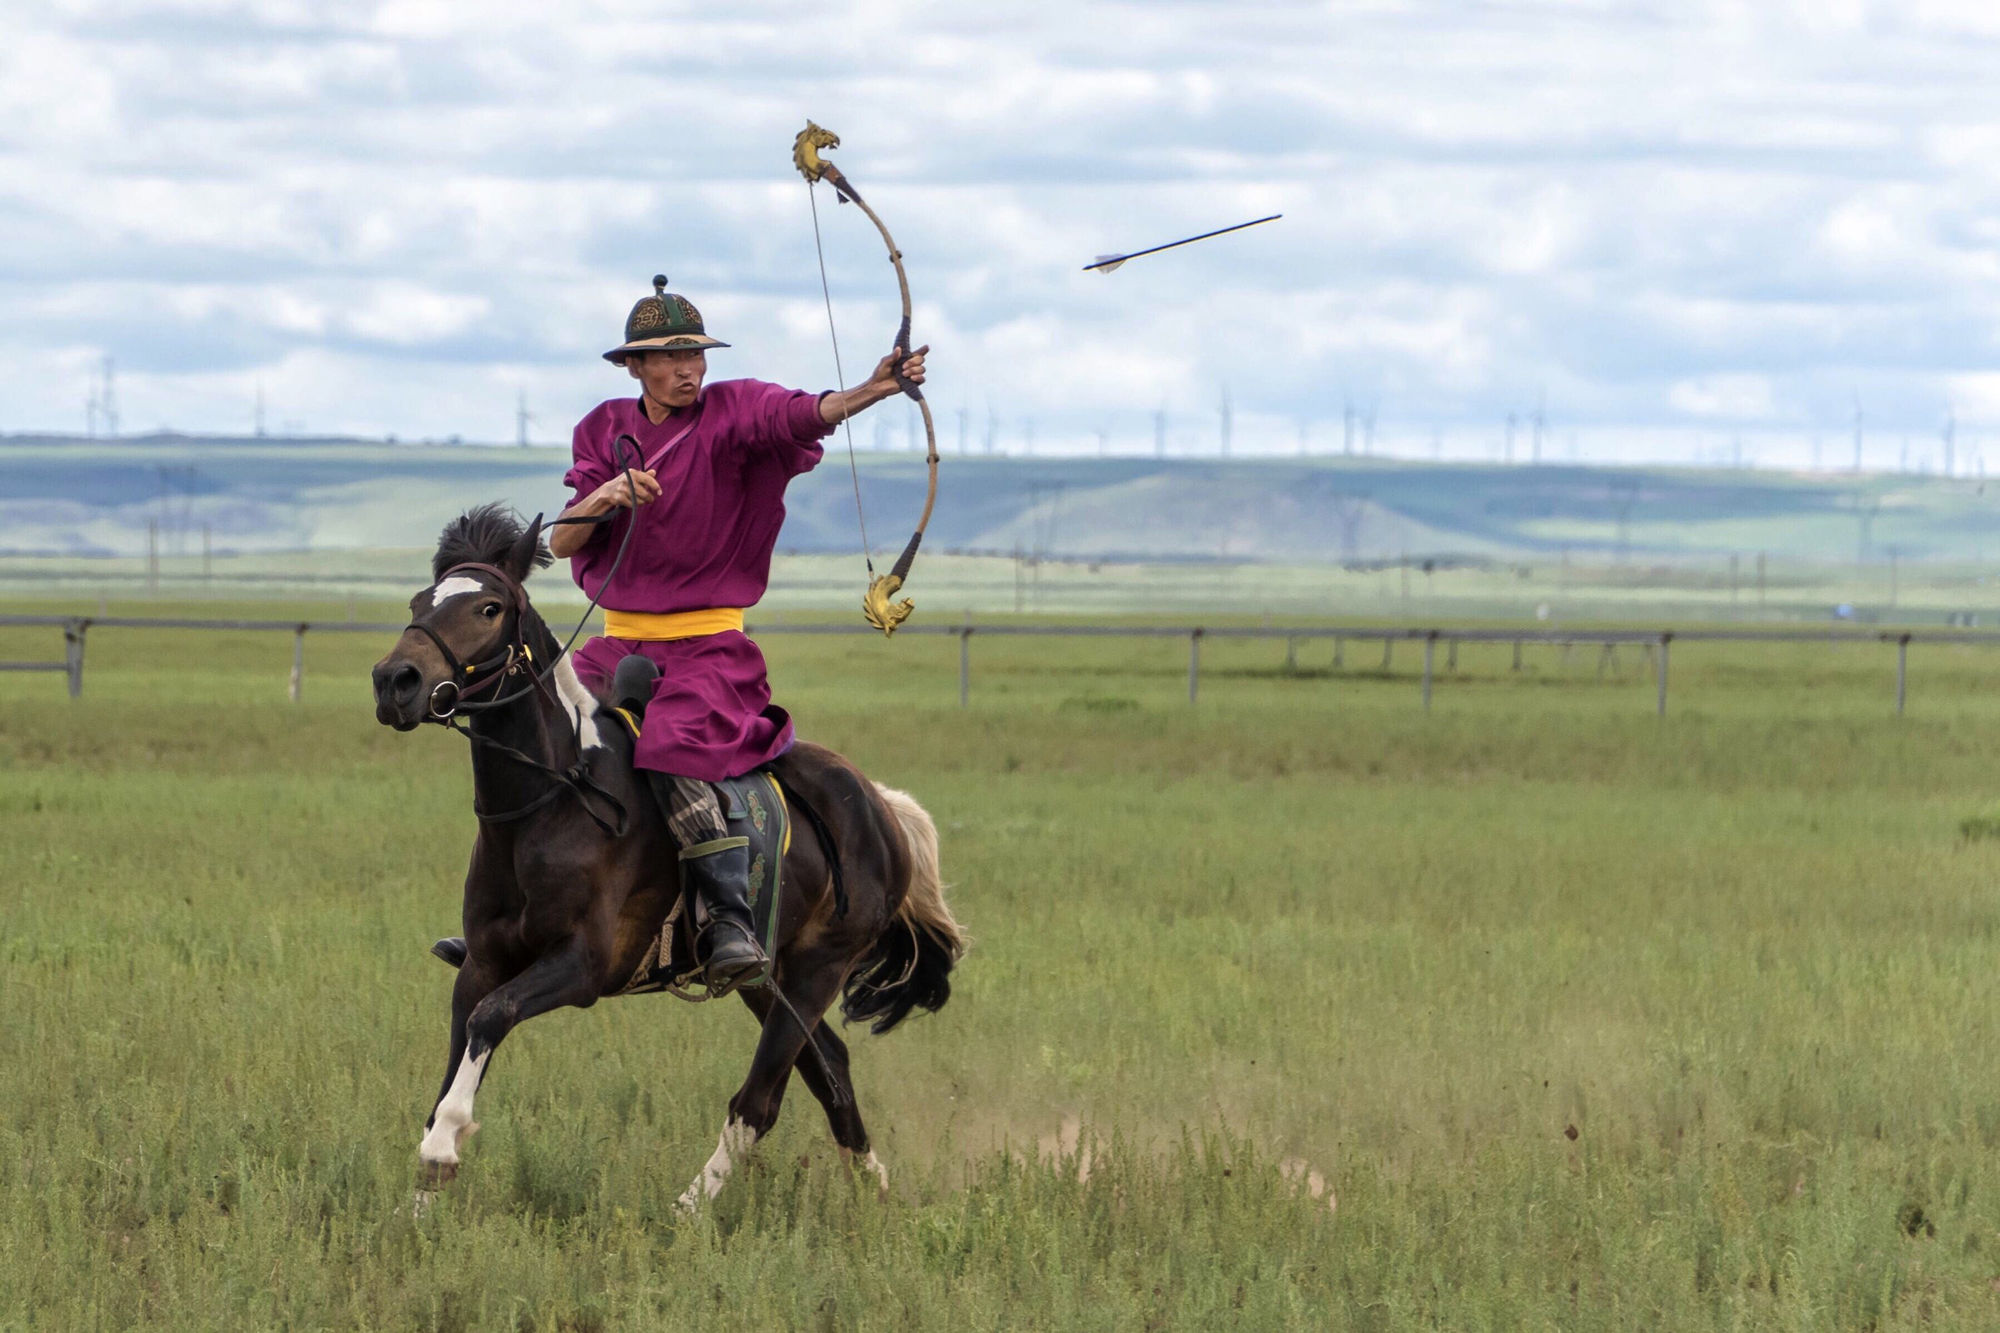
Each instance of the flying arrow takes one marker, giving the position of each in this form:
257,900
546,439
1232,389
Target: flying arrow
1111,263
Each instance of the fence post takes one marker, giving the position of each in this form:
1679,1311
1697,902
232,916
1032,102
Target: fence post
1388,647
1430,648
1902,670
1339,652
1660,708
1291,654
1451,656
73,655
298,663
1194,663
965,667
1517,654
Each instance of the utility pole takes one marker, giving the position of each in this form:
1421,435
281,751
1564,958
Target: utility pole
1160,433
1508,453
1950,441
1225,422
1540,423
992,429
1103,442
1368,433
521,419
257,416
1347,428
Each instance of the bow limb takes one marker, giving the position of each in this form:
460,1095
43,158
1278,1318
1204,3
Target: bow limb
876,605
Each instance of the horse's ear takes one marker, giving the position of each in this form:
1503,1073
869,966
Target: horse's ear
528,553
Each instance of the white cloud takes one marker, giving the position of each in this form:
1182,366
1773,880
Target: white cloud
1725,397
401,212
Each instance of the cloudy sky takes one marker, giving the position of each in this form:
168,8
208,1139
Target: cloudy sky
1685,228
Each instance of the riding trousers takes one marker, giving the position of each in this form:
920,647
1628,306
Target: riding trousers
694,815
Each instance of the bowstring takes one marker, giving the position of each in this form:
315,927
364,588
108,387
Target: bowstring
840,377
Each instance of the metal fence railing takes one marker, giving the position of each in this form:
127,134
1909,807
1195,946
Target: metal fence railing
1657,643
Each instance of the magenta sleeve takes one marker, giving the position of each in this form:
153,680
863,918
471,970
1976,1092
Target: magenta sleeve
779,423
588,468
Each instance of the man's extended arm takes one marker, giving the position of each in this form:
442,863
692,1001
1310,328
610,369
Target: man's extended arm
844,403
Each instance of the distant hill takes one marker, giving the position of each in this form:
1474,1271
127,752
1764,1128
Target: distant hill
95,497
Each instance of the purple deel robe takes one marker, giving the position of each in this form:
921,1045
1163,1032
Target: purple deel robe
723,465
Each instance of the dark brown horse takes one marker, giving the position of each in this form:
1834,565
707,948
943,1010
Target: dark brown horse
573,873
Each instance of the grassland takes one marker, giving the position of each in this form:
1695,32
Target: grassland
1588,1021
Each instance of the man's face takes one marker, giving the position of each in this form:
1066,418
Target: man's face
673,378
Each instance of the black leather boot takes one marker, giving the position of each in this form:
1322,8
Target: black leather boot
726,945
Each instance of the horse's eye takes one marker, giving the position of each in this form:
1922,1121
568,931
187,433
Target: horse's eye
490,610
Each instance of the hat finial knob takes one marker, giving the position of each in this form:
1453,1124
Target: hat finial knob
659,284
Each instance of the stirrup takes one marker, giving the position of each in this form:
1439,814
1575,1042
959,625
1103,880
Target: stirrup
756,971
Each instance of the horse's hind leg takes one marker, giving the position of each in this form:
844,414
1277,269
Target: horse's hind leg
843,1112
550,982
836,1095
754,1108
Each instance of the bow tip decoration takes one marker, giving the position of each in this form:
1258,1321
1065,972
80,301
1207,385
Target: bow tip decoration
805,150
879,611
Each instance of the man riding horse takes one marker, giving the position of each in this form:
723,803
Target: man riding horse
707,493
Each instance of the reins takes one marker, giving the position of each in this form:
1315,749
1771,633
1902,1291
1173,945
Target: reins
479,677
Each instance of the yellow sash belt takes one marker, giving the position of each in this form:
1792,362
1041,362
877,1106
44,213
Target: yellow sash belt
657,626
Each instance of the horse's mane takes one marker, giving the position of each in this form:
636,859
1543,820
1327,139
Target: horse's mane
482,536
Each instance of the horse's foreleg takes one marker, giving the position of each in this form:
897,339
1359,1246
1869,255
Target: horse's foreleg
754,1108
552,981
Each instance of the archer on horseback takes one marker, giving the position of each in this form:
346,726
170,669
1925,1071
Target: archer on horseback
706,496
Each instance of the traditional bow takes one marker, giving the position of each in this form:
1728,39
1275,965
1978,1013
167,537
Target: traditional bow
882,613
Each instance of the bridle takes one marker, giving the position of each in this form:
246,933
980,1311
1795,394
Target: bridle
468,679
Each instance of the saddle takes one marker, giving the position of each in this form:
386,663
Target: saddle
753,806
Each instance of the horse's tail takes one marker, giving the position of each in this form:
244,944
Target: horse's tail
910,965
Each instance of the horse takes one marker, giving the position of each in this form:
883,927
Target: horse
573,873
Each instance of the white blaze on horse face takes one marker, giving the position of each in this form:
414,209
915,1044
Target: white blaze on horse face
736,1142
454,1114
453,587
579,704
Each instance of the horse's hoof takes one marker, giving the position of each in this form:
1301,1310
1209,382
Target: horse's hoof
422,1203
870,1164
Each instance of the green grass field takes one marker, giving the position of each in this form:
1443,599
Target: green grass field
1586,1020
